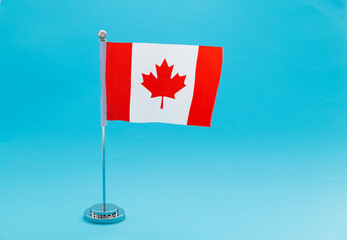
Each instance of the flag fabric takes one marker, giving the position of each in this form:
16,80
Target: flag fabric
166,83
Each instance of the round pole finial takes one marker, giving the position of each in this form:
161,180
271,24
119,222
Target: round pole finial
102,35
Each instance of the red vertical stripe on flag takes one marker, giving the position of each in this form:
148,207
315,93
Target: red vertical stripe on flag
118,80
207,74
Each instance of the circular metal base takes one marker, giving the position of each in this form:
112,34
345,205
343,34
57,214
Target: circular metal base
104,214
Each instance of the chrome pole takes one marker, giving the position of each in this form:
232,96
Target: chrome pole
102,36
103,213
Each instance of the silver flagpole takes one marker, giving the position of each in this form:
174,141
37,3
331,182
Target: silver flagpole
102,36
103,212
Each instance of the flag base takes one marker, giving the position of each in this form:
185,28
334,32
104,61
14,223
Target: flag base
110,214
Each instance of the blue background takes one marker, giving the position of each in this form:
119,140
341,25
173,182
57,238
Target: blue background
272,166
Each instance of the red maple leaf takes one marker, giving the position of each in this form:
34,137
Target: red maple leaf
163,85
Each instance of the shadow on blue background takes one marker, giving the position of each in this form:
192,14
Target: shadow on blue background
272,166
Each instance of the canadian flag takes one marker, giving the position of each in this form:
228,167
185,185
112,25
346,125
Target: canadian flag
143,82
